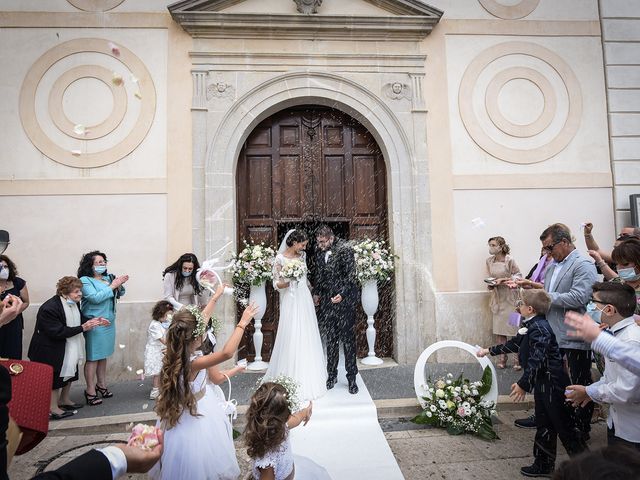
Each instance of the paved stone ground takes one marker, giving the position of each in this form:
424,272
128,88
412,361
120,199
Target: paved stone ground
421,452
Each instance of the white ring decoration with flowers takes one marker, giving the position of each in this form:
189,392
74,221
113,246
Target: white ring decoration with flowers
420,377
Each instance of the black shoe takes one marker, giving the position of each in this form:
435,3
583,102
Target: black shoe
529,422
72,407
104,392
331,382
353,387
60,416
536,470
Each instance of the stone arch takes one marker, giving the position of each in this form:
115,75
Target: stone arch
331,90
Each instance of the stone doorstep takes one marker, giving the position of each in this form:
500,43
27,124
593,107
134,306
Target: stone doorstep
387,408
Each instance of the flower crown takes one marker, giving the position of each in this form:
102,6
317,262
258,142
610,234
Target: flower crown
291,387
202,323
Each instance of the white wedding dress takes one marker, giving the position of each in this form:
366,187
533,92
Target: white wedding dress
297,352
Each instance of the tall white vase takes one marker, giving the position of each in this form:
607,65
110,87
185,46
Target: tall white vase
370,306
258,295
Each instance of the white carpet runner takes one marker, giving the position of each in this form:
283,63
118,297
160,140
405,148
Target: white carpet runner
344,436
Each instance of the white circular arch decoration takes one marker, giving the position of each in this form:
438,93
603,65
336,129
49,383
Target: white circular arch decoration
419,379
331,90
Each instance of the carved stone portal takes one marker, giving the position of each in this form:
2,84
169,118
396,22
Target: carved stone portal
219,90
397,90
308,6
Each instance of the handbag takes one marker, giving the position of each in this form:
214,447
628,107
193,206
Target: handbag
31,384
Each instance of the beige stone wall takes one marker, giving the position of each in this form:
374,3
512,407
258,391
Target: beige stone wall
125,186
518,139
621,38
503,117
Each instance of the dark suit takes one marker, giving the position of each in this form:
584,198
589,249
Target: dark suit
50,337
337,276
544,372
92,464
5,398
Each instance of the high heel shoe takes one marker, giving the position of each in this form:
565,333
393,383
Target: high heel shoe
104,392
92,400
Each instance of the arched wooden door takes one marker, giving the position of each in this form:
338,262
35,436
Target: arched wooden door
306,166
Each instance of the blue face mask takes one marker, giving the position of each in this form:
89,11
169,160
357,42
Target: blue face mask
186,274
593,312
100,269
628,274
70,302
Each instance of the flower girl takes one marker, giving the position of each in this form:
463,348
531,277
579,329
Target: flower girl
198,441
269,419
154,350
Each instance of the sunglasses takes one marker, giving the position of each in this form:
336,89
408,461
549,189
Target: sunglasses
549,248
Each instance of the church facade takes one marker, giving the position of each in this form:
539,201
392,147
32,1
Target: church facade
147,129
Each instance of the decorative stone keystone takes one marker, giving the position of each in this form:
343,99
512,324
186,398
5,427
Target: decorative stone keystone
308,6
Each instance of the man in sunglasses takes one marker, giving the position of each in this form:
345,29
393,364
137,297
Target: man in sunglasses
569,282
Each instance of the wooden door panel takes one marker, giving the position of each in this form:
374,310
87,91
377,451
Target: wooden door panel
365,185
302,167
334,186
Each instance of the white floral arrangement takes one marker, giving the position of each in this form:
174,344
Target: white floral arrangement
458,405
290,385
252,266
373,260
294,270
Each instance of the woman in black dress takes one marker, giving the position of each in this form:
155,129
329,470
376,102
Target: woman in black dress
57,341
11,332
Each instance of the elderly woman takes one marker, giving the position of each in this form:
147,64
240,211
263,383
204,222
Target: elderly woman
100,292
502,269
180,285
11,331
57,342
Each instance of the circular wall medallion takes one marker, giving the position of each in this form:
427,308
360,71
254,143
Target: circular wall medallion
509,12
525,155
95,5
420,372
61,120
507,126
146,94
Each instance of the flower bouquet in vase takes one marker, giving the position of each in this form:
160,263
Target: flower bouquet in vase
374,262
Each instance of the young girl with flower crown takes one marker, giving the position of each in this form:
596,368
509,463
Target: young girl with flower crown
198,441
269,419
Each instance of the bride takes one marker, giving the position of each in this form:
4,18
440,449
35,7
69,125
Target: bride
297,352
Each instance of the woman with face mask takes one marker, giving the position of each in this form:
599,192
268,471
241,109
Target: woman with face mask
180,285
57,341
100,293
502,269
627,258
11,332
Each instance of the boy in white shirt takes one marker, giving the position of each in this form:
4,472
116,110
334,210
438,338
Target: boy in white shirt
615,305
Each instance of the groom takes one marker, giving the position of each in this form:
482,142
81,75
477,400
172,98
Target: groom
335,293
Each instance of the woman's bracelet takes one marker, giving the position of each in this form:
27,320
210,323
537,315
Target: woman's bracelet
240,326
601,264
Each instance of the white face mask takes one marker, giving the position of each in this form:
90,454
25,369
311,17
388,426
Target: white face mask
4,273
494,250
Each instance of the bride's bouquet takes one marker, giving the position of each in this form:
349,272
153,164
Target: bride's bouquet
252,266
293,270
458,405
373,259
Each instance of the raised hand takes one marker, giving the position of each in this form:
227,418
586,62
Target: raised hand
248,314
583,326
588,228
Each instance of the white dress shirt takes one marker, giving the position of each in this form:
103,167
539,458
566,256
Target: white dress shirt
626,354
621,388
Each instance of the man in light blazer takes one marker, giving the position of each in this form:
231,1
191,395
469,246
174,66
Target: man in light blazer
569,281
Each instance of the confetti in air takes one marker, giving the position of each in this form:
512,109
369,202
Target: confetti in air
79,130
76,153
122,345
134,79
130,426
478,222
117,79
145,406
129,369
114,49
139,371
138,95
